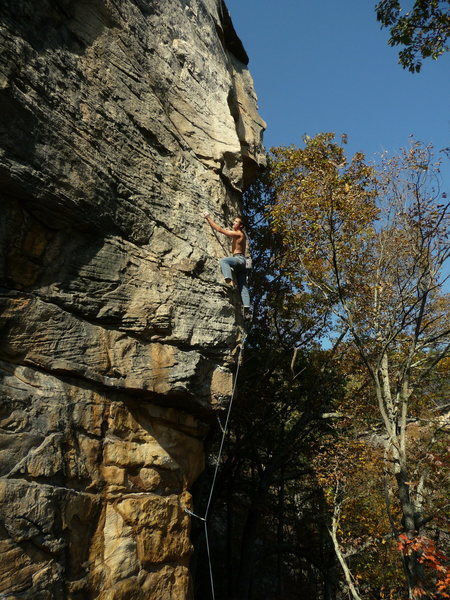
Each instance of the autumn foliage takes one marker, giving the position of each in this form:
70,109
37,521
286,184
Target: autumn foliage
334,483
372,242
432,559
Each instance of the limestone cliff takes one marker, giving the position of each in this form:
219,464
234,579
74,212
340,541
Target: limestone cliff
120,123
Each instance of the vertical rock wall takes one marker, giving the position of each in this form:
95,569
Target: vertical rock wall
120,123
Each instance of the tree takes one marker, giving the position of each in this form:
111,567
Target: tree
360,492
350,472
268,512
266,526
374,243
423,30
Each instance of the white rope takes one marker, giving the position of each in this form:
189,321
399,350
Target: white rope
216,470
225,429
209,561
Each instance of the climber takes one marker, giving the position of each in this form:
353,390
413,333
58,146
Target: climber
236,263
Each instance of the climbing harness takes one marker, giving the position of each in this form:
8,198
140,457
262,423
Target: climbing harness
216,470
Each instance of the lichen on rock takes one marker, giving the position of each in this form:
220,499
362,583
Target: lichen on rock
121,123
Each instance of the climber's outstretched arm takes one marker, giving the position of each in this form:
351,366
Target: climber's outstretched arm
228,232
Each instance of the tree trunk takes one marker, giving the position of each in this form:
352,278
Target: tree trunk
248,554
280,538
348,576
412,567
328,557
396,429
229,548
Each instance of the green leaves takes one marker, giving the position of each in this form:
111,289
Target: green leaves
423,30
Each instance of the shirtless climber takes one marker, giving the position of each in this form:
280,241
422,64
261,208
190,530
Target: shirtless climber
235,263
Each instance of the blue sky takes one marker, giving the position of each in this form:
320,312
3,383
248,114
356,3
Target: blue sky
326,66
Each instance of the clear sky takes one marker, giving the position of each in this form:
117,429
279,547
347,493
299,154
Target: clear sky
326,66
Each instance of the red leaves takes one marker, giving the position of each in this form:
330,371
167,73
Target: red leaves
429,556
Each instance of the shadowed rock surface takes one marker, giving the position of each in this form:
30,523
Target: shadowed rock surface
121,122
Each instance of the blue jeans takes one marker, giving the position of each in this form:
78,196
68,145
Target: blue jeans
236,264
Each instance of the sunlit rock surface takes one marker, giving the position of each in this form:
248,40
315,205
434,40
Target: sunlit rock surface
120,123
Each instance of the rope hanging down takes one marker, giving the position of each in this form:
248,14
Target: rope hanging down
216,470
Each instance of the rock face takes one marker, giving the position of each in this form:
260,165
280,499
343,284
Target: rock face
120,123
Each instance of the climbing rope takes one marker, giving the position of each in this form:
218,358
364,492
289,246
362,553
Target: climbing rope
216,470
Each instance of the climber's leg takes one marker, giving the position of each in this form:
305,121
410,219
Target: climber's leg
227,265
241,275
